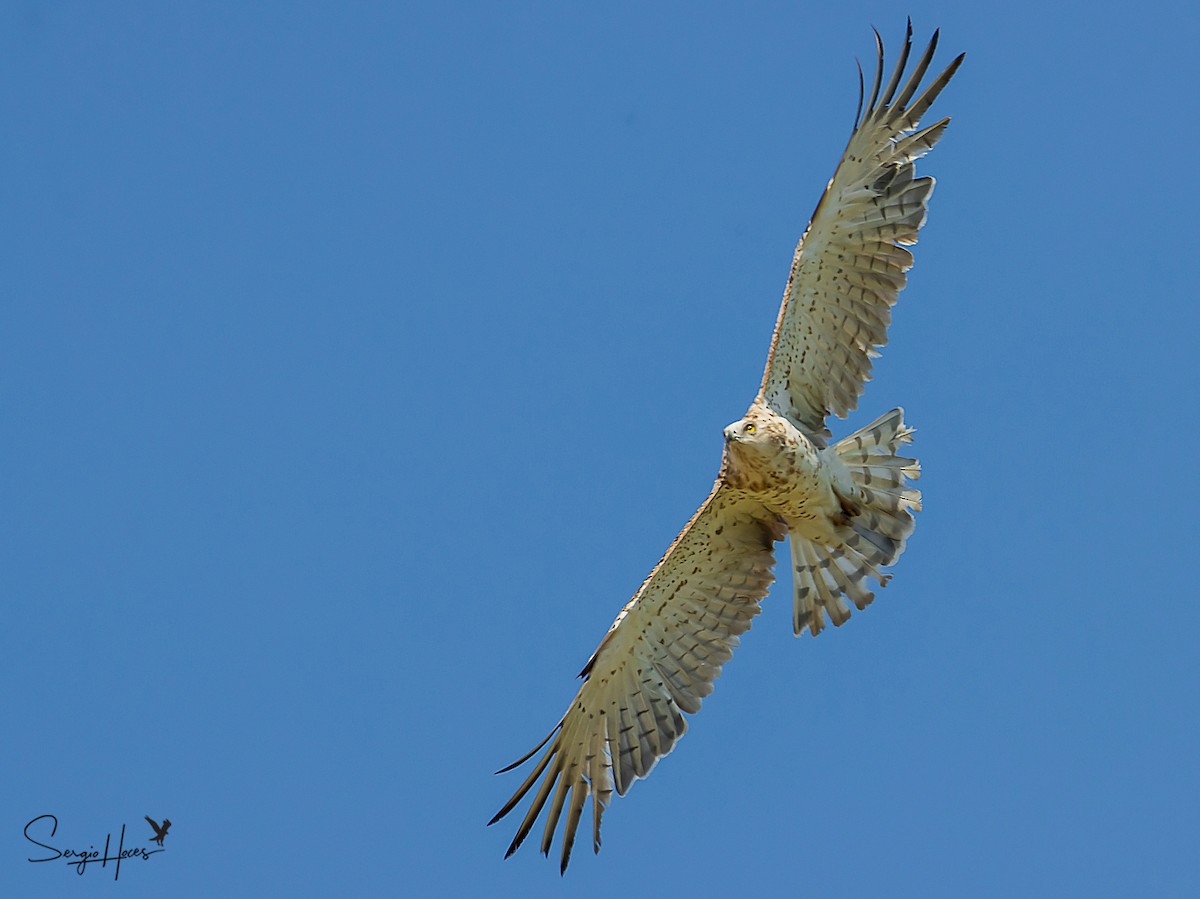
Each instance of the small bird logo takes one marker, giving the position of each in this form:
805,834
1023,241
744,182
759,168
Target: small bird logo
159,832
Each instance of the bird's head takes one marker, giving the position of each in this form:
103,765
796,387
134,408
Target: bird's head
758,430
756,448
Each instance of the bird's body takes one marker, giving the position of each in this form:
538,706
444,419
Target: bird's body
847,515
846,508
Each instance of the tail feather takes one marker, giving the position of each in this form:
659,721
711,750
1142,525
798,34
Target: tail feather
815,596
875,535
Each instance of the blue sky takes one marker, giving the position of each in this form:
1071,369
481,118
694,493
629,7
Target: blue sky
358,361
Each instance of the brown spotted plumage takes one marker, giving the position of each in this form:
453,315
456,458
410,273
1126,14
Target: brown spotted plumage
846,508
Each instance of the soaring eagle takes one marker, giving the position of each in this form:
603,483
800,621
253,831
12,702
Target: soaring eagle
846,508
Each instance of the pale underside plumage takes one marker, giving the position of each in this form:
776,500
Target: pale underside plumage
851,262
658,660
666,647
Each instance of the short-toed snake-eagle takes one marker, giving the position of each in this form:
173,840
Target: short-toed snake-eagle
846,507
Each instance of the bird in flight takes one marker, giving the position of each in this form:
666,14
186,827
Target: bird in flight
159,832
846,507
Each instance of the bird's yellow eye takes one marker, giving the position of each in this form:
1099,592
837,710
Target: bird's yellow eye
750,429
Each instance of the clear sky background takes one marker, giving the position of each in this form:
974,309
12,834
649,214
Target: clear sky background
357,361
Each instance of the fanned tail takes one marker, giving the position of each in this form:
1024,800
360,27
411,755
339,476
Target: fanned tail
879,509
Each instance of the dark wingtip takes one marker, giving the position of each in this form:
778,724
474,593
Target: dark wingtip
862,92
523,759
516,843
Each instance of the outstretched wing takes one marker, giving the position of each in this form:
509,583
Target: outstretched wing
157,829
850,264
658,660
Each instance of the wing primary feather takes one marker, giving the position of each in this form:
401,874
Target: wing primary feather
597,811
527,756
528,782
612,726
861,94
535,809
878,74
922,103
894,82
555,810
918,73
601,785
578,797
921,142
